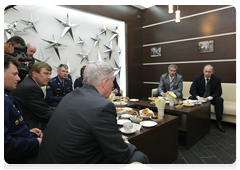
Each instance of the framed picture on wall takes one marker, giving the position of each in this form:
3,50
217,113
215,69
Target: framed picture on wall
156,51
206,46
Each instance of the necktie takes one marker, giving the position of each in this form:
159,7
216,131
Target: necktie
207,89
171,83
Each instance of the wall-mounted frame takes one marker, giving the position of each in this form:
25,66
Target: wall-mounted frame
206,46
156,51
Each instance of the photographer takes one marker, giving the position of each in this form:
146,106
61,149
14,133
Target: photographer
17,48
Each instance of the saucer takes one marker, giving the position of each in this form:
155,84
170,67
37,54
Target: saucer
123,130
121,121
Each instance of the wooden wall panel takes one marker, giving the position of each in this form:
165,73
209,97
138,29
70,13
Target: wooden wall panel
159,13
225,70
219,22
225,48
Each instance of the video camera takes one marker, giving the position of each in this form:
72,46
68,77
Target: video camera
20,53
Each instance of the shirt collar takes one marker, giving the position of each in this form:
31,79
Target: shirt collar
36,82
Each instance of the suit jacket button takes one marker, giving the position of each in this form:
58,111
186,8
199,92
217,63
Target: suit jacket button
17,122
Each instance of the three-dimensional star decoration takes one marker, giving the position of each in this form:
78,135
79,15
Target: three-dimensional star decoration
109,49
97,39
11,29
30,23
103,30
69,69
80,41
55,45
99,58
68,26
84,55
9,7
41,58
117,69
119,51
115,34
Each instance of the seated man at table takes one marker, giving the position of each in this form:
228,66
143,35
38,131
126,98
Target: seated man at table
209,86
30,96
78,81
21,144
83,129
58,86
116,88
170,81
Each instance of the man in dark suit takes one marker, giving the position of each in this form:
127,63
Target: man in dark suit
21,144
78,81
116,88
30,96
209,86
58,86
170,81
83,128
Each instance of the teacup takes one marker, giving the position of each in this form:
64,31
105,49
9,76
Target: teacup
127,126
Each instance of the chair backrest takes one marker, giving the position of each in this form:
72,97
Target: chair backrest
229,91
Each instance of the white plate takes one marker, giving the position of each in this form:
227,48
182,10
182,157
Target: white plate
126,116
152,99
140,111
133,100
188,106
121,121
148,123
133,130
120,103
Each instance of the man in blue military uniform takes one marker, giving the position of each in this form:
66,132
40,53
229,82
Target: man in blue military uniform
58,86
21,144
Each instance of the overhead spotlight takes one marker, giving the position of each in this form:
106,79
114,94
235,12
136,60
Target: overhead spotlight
170,9
177,12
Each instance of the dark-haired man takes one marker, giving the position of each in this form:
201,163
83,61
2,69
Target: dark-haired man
13,41
21,144
58,86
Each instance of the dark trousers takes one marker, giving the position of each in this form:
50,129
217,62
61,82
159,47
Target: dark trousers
218,106
136,157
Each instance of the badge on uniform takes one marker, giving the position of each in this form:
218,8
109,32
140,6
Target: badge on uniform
68,88
17,122
58,89
48,87
176,83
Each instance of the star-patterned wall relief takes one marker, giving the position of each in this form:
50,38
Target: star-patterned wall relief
49,31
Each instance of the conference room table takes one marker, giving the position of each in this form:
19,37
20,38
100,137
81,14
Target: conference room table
194,121
159,143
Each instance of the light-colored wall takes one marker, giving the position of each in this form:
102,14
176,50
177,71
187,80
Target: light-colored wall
89,26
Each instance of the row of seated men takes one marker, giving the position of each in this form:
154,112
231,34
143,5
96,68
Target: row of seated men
205,85
81,129
61,85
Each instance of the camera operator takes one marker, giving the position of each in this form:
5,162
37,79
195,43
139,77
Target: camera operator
16,47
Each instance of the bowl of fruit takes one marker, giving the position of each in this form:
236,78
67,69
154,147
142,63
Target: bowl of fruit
136,118
156,118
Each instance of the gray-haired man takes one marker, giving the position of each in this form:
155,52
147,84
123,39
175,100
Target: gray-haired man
84,130
170,81
58,86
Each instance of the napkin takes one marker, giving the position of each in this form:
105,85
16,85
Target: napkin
160,103
111,96
171,95
137,126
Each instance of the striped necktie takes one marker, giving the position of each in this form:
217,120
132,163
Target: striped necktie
171,83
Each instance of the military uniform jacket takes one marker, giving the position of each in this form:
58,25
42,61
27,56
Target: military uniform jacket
19,143
55,91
